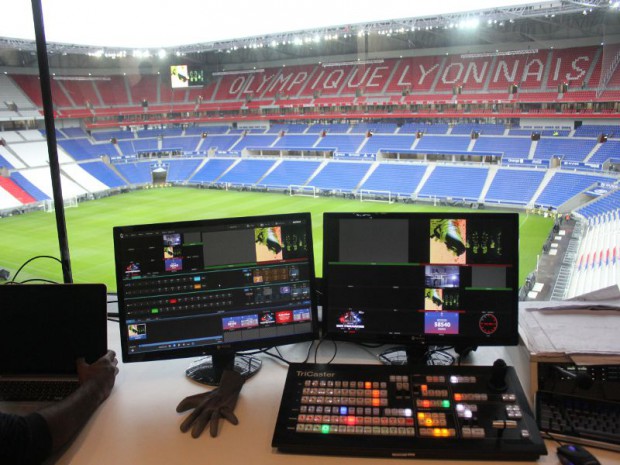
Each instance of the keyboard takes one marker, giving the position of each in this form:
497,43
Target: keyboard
36,390
400,411
588,421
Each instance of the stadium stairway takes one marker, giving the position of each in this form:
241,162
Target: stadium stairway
427,174
548,175
488,182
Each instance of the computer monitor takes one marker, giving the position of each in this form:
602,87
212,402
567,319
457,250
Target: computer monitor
214,287
421,279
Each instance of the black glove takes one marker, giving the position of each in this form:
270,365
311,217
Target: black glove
213,405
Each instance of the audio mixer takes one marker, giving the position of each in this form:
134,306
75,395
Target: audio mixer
450,412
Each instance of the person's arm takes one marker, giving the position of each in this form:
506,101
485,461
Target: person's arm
65,418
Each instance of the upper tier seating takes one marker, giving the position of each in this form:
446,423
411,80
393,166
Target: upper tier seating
296,141
343,142
433,142
567,149
256,141
380,141
512,147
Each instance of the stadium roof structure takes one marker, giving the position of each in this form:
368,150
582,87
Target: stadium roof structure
536,25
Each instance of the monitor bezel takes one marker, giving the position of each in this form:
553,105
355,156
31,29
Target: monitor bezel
219,349
422,340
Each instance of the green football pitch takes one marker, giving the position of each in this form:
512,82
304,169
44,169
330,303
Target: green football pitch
89,227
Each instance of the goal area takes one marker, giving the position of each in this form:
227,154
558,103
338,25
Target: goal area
48,205
305,191
369,195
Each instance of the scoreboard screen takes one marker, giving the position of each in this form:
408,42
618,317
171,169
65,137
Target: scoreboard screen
186,76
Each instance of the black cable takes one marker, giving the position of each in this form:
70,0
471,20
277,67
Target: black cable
316,350
38,280
30,260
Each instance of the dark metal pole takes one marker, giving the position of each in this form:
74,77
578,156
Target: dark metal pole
50,129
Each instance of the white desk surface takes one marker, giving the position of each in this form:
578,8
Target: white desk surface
138,423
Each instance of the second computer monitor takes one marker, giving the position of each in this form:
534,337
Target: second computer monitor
421,279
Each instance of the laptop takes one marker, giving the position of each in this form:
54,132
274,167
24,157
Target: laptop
44,329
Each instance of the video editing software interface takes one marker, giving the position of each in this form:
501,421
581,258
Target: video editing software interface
443,279
198,285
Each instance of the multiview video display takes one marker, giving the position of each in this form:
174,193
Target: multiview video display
428,277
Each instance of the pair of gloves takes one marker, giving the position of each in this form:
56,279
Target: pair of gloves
210,406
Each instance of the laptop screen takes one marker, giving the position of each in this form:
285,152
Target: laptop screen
44,328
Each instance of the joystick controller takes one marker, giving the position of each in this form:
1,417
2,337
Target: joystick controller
497,382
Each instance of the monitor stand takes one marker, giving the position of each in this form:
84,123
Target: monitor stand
208,370
419,354
406,355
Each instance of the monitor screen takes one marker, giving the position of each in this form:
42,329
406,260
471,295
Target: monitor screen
214,287
441,279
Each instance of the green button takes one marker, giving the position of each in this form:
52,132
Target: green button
445,404
154,310
325,429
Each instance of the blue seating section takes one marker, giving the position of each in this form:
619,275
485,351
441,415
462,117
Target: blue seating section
343,142
296,140
514,186
131,147
256,141
135,173
74,133
609,149
107,135
333,128
181,170
603,205
103,173
454,143
341,176
379,142
412,128
82,149
482,129
288,128
247,172
198,130
375,128
150,133
397,178
186,144
512,147
291,172
455,182
564,186
211,170
217,142
568,149
596,130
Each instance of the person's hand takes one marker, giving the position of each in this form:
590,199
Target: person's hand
99,375
210,406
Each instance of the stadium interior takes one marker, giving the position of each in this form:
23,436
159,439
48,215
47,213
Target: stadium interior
513,108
